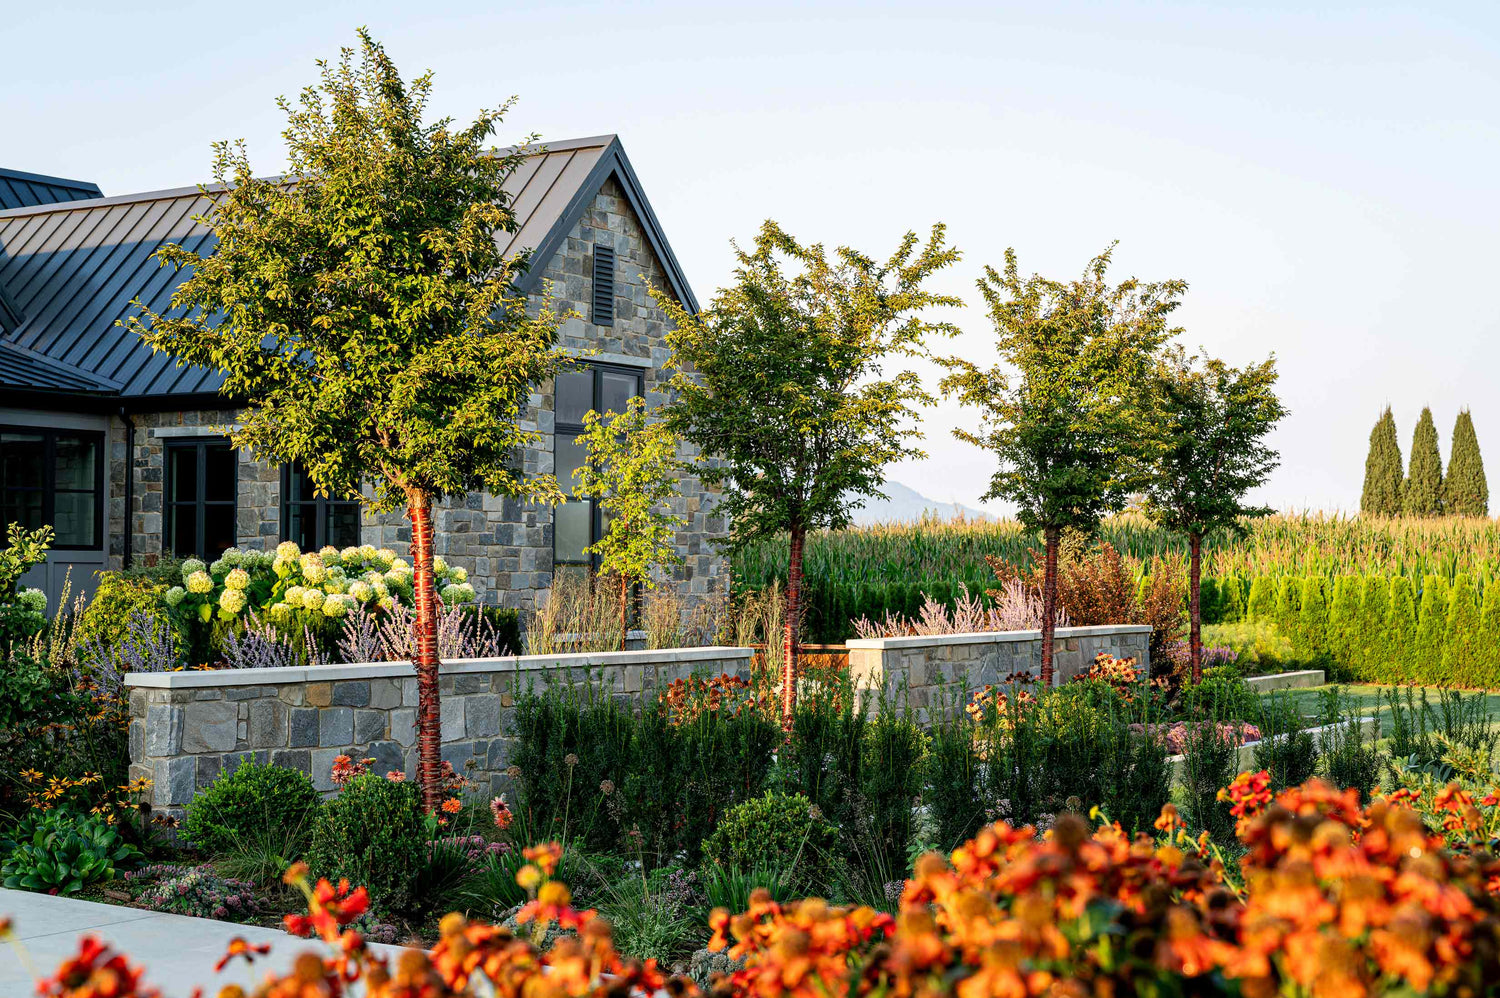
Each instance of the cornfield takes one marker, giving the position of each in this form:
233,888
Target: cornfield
866,571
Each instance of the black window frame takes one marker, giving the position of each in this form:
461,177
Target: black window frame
322,505
170,505
48,485
562,429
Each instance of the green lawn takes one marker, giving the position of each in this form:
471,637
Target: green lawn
1370,698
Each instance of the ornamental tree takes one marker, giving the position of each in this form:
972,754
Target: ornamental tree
1381,495
1063,410
362,312
782,382
1210,421
632,471
1422,494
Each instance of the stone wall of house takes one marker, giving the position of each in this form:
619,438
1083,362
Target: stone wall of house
505,546
932,667
188,727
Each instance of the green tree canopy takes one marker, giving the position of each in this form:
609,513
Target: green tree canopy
1422,494
632,472
1211,421
1064,411
1465,491
782,380
1383,475
363,313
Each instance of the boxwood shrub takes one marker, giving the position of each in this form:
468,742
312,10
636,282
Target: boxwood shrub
374,833
249,801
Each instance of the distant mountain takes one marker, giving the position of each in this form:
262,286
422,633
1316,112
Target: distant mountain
902,504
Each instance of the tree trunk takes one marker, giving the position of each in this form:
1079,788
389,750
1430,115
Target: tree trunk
429,716
624,609
1195,609
1049,603
791,628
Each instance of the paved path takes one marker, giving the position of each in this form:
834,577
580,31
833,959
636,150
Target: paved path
178,952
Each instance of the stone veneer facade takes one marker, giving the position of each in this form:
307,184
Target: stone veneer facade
188,727
505,546
927,665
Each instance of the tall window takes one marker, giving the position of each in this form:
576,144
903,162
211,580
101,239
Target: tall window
576,523
54,477
202,487
315,521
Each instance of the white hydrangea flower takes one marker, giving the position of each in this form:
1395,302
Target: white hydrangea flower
329,554
335,584
232,600
367,551
459,574
451,594
288,549
283,566
373,577
351,554
312,599
381,589
386,603
32,599
361,590
237,578
384,554
174,596
217,567
192,565
233,556
400,565
439,565
293,595
280,611
200,582
334,607
313,569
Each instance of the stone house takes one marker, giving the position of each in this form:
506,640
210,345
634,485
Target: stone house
124,452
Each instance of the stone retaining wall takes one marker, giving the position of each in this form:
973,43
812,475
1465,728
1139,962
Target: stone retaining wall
925,664
187,727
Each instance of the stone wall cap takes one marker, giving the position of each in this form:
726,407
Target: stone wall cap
992,637
404,670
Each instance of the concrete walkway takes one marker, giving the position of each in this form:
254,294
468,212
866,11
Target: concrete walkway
178,952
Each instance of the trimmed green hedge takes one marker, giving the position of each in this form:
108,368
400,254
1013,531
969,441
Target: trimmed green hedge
1382,629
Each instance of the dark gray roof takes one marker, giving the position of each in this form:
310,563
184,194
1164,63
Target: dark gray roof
69,271
18,189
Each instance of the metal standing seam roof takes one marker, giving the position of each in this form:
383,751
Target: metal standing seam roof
19,189
68,271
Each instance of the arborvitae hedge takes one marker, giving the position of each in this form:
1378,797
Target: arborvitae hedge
1312,619
1461,638
1374,612
1263,599
1465,491
1232,600
1289,606
1343,618
1422,493
1400,632
1432,624
1382,491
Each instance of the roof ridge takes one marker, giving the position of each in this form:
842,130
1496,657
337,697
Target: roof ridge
173,193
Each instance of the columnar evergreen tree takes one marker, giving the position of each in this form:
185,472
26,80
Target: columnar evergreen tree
1461,645
1232,594
368,316
781,381
1489,635
1209,597
1465,491
1422,494
1343,618
1289,607
1312,618
1374,612
1432,624
1262,598
1064,411
1383,474
1401,627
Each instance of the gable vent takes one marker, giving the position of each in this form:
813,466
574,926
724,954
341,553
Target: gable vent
604,286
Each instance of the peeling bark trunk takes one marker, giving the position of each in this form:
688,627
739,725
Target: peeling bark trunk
791,629
429,715
1195,609
1049,603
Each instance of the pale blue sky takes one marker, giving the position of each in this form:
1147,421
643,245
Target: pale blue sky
1324,175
